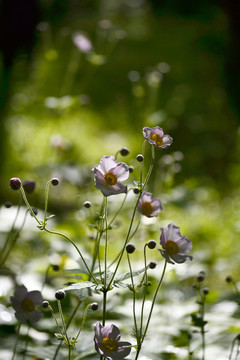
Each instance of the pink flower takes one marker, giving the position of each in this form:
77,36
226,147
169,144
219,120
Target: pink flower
175,246
107,342
156,137
24,303
149,207
108,174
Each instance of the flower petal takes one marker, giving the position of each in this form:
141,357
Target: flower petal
157,206
184,244
181,258
107,162
121,171
36,297
114,333
166,256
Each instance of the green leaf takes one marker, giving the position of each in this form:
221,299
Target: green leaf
198,321
80,285
125,276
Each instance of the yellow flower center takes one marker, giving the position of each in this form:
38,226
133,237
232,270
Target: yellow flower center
27,305
109,344
147,208
171,247
157,138
110,178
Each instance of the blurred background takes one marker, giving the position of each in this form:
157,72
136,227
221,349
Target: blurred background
80,79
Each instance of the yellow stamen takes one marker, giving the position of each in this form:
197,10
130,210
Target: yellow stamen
109,344
147,208
110,178
27,305
171,247
158,139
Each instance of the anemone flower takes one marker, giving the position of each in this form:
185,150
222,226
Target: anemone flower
108,175
107,342
155,136
24,303
149,207
175,246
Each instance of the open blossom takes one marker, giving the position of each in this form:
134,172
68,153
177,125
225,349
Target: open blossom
175,246
149,207
24,303
155,136
108,344
108,175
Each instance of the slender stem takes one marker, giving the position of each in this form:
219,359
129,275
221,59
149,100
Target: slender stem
46,201
83,320
28,205
79,252
63,321
202,310
105,267
16,343
134,299
151,310
67,326
45,277
118,211
145,278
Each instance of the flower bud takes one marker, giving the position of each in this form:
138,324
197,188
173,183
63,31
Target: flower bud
55,267
55,181
130,248
124,151
136,191
229,279
8,204
205,291
60,294
87,204
152,265
45,304
139,158
94,306
130,169
29,186
35,211
152,244
200,277
15,183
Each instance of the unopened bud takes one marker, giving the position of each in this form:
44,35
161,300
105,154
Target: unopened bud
130,248
60,294
8,204
205,291
152,244
55,267
136,191
87,204
94,306
29,186
139,158
229,279
124,151
55,181
152,265
15,183
45,304
130,169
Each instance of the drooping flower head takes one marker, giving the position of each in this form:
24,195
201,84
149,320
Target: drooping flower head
108,175
149,207
24,303
108,344
155,136
175,246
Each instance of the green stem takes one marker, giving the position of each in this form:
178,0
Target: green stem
134,300
151,310
145,278
28,205
79,252
63,321
16,343
46,201
83,321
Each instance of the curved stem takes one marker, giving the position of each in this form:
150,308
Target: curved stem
29,206
152,306
16,343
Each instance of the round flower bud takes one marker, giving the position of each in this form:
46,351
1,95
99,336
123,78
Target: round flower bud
8,204
87,204
136,191
152,244
29,186
15,183
152,265
140,158
205,291
55,267
94,306
45,304
124,151
200,277
130,169
55,181
60,294
228,279
130,248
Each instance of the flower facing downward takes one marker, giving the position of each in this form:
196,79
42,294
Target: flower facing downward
108,174
155,136
175,246
149,207
107,342
24,303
